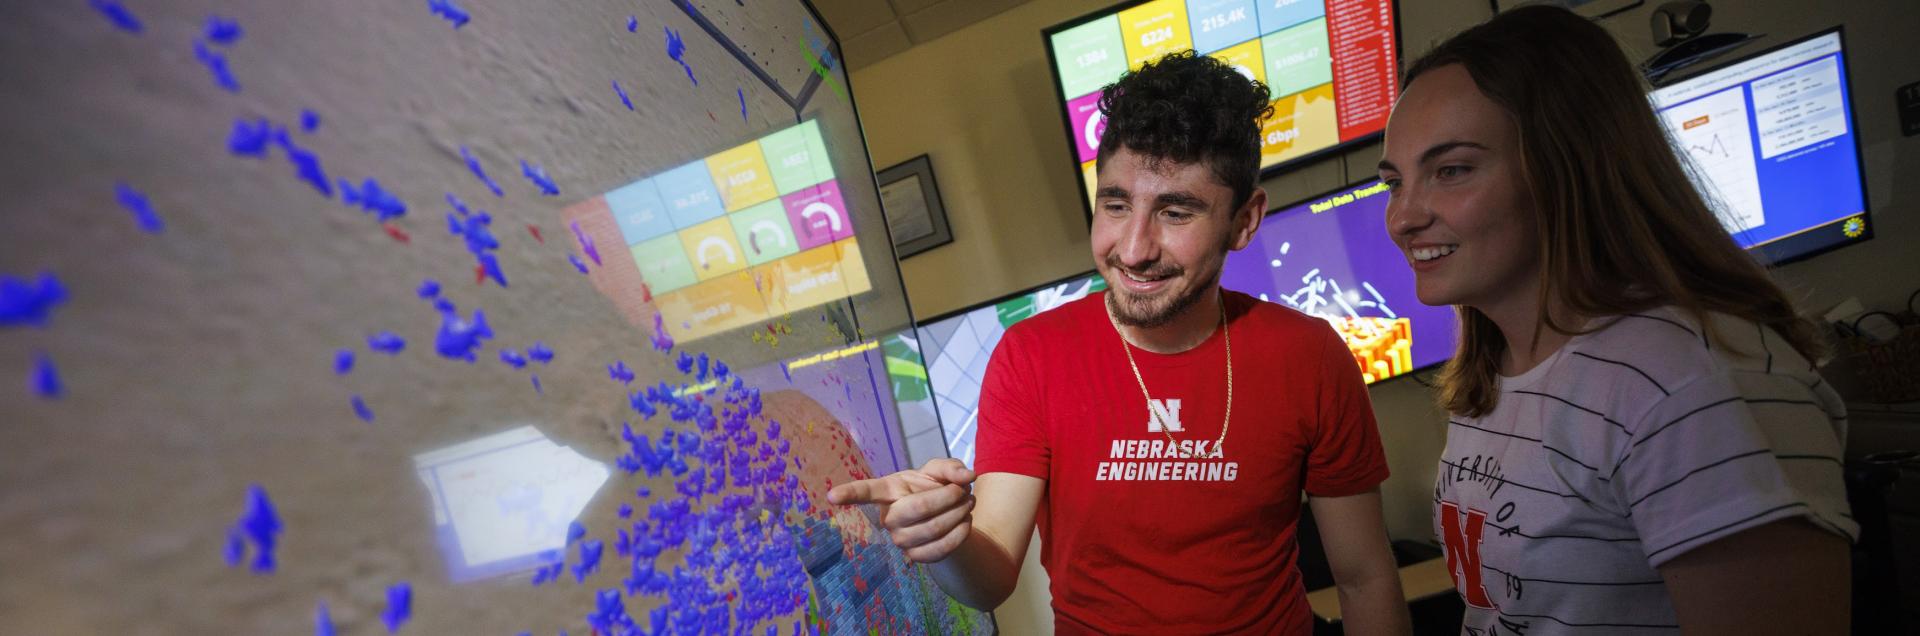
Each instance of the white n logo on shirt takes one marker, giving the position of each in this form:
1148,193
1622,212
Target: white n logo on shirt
1163,416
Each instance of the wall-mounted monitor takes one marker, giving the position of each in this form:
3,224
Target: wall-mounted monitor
938,367
1330,256
1332,67
1773,144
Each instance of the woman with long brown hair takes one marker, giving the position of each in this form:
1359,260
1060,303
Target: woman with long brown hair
1638,438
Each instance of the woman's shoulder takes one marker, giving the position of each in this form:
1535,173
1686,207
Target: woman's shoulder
1672,346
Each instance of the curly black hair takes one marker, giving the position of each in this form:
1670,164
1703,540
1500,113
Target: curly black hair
1189,108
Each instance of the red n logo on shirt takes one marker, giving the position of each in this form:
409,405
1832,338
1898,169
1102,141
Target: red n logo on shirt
1463,552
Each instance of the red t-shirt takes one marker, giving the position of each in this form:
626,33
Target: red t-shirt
1139,539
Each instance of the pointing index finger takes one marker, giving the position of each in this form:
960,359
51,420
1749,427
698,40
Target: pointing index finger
865,491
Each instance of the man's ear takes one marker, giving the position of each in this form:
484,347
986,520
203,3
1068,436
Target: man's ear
1246,220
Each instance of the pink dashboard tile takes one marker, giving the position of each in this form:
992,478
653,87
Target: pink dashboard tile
1088,123
818,214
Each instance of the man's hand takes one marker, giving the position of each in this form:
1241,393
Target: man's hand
928,512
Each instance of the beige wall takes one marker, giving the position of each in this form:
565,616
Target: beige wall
981,103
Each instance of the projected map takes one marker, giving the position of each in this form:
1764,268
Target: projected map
446,317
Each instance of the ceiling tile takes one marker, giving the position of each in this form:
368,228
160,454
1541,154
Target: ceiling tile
910,7
875,45
941,18
848,18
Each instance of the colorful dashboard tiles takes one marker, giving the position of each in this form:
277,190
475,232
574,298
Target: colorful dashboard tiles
1218,24
1089,56
740,176
689,194
765,232
1154,29
1331,65
639,212
1247,58
1088,124
813,277
796,157
743,235
1279,14
1302,123
712,250
818,215
1297,58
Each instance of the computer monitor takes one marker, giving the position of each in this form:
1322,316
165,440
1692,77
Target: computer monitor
1332,67
1773,144
1330,256
938,366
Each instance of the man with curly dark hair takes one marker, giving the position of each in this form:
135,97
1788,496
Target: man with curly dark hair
1166,500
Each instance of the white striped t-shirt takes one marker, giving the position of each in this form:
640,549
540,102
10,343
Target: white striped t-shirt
1626,448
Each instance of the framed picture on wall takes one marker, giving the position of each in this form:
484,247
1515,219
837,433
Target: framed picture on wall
911,198
1594,9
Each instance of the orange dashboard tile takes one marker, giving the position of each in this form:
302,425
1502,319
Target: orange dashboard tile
711,307
813,277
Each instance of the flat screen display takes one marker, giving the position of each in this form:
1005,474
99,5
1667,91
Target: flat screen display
1772,143
1332,66
1330,257
937,367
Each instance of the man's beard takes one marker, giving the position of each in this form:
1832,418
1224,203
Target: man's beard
1147,313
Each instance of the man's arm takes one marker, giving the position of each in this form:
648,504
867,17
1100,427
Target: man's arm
1355,536
1785,577
982,571
973,542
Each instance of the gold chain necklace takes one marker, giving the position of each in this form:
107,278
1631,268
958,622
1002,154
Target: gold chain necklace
1219,445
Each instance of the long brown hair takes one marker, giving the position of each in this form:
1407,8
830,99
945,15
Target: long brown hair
1622,228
